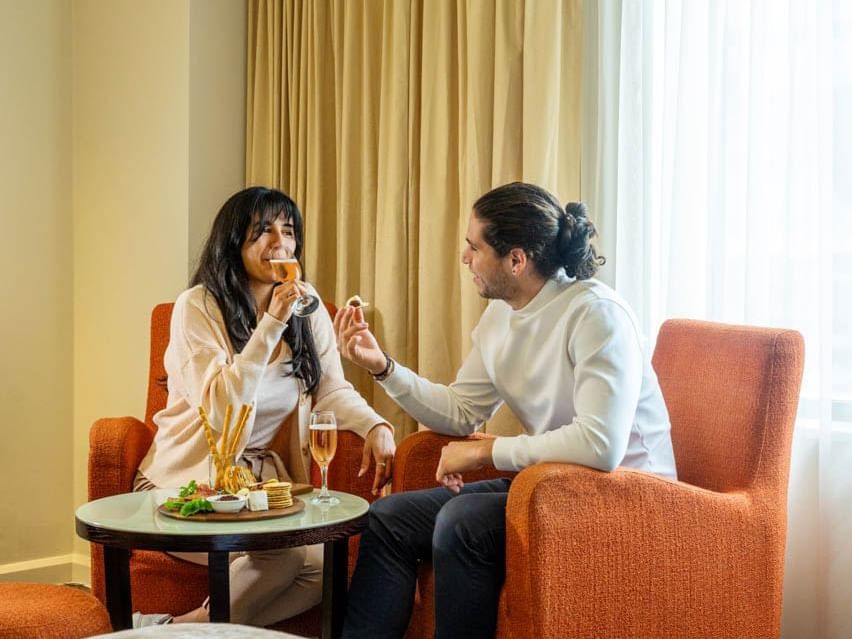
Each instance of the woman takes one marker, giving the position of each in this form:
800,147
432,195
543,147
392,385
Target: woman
234,340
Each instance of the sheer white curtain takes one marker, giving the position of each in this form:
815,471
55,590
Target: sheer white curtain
717,154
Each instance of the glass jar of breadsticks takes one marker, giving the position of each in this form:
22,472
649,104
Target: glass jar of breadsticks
225,473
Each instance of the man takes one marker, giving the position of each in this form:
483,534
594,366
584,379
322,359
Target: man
564,351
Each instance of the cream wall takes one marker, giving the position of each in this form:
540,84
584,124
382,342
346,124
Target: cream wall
122,131
131,191
36,287
159,127
217,111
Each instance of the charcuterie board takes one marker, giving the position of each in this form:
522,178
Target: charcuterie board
244,515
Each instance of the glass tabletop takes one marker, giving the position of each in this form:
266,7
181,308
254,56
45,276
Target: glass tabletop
137,513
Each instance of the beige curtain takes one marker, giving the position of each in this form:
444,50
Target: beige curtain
385,120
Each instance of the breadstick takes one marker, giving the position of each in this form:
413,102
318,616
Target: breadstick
211,442
238,432
208,434
231,444
225,428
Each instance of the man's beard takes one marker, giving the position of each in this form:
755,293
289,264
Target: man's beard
502,287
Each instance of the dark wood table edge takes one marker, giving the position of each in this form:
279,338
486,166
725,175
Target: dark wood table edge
229,542
118,544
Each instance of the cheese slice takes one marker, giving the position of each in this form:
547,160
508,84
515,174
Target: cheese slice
258,500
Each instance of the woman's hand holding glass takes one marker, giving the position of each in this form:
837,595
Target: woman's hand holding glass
288,270
355,341
284,298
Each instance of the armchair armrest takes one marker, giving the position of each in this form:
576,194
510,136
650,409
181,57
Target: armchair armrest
586,551
343,471
417,460
117,446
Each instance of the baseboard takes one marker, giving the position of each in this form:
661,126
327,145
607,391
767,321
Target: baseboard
81,568
56,569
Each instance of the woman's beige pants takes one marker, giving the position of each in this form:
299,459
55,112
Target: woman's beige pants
268,586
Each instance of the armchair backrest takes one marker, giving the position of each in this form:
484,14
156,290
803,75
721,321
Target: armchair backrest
732,394
158,392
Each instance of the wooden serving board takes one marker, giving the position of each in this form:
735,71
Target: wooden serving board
244,515
301,489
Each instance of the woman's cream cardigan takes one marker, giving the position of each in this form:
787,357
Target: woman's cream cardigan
204,371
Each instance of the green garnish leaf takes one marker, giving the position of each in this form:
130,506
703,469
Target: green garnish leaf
196,506
186,491
174,504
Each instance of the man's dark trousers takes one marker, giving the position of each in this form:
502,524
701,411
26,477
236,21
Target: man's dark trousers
463,535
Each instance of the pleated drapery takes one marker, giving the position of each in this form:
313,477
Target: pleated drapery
385,120
723,144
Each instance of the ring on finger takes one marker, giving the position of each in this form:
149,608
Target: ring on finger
381,463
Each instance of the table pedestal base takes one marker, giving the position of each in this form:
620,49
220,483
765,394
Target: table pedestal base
219,586
335,568
117,585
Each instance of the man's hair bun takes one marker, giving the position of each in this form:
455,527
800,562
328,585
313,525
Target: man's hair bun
574,243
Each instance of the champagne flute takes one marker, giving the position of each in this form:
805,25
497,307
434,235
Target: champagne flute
287,270
323,446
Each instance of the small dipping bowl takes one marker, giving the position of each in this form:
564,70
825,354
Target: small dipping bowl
227,503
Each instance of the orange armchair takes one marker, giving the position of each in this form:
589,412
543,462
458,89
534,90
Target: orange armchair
630,554
117,445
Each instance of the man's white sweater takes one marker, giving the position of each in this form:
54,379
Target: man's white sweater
573,367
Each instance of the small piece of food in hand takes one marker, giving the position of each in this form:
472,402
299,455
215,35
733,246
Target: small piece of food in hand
356,302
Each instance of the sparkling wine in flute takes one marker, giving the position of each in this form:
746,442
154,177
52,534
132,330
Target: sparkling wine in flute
323,447
323,443
287,270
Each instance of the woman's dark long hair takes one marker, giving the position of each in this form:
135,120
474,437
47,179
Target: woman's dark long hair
526,216
224,276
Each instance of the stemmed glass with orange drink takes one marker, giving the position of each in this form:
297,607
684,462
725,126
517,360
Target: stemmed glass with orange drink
288,270
323,446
